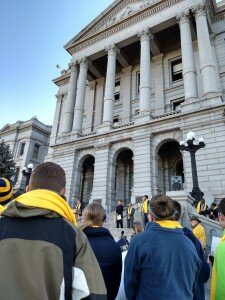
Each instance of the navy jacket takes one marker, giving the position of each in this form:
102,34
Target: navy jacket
161,263
204,273
109,257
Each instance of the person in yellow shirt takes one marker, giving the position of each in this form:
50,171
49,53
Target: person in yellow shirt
202,208
144,209
198,230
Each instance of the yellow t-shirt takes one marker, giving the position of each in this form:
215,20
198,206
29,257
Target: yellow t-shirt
145,206
199,232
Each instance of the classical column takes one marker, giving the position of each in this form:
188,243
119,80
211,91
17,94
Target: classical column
90,106
188,62
207,65
126,94
159,85
57,117
70,102
81,89
110,85
99,101
145,73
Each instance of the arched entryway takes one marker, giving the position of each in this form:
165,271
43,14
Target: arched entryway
170,163
87,177
124,175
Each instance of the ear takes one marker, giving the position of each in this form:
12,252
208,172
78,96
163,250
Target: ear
221,218
27,188
63,191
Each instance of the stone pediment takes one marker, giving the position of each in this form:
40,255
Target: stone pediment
115,13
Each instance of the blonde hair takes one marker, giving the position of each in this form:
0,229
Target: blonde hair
93,215
137,228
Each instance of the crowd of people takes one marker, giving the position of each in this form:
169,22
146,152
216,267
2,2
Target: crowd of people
46,255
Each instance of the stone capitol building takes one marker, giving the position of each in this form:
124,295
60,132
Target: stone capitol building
142,75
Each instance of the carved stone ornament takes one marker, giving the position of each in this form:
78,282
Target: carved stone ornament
73,65
200,10
84,62
99,32
183,17
145,35
112,49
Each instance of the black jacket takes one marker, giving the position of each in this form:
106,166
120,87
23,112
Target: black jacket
119,210
109,257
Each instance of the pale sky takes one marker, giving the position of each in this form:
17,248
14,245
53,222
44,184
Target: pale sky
33,34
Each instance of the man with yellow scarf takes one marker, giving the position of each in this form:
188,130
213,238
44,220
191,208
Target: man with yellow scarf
218,275
45,255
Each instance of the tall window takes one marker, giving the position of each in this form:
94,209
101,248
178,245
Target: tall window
21,149
117,90
176,69
36,151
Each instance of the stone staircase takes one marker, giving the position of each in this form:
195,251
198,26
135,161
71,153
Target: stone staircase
116,232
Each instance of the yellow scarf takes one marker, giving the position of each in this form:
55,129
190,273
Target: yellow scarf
169,224
47,200
1,208
213,281
129,210
199,207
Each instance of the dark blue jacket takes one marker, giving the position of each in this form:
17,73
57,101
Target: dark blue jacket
205,269
109,257
161,263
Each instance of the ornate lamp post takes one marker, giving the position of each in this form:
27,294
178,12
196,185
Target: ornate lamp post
27,172
192,148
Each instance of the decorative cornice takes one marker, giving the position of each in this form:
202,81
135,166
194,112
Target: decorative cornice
62,79
89,40
112,49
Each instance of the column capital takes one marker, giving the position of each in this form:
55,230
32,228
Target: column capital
100,81
145,35
200,10
59,96
158,57
92,85
73,65
183,17
127,69
84,62
112,49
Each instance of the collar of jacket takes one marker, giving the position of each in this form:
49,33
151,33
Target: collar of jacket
169,224
97,232
46,200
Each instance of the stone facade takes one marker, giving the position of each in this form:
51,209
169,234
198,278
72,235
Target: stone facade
29,142
142,75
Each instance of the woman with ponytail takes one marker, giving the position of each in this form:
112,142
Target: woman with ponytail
161,262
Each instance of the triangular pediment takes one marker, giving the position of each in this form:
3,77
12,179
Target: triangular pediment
118,11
